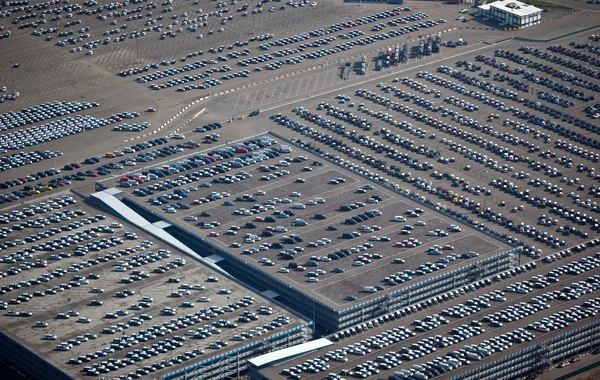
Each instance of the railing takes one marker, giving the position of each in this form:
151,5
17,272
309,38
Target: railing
235,352
529,359
28,361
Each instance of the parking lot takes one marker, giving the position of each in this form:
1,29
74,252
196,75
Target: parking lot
501,135
483,319
125,286
289,216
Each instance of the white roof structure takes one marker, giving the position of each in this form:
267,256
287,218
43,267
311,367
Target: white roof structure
514,7
289,352
156,229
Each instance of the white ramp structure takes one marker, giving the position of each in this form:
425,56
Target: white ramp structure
108,198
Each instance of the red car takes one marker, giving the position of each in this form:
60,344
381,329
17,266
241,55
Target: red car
399,245
448,248
151,109
213,234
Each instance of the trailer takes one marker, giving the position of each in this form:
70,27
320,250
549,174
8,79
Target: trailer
421,49
363,65
428,46
437,43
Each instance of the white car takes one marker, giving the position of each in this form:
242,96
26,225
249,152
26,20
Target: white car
421,223
283,270
191,218
295,194
203,299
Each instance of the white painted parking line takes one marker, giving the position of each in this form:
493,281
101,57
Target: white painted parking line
265,97
290,90
272,95
316,82
335,74
246,97
307,81
256,96
325,79
236,104
299,85
281,91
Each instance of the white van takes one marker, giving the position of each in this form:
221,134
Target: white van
370,289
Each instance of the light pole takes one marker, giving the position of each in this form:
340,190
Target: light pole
252,13
13,66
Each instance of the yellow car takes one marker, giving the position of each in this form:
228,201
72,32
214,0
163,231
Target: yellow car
34,191
110,154
47,187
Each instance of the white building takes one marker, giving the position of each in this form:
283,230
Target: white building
512,13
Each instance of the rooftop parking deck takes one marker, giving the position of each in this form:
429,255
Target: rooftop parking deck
263,221
399,333
504,140
113,292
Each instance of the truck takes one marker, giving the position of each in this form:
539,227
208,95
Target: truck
363,65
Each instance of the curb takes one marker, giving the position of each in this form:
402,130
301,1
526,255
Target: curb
169,121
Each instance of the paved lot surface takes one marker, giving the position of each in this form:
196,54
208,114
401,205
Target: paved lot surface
332,287
155,285
444,329
47,72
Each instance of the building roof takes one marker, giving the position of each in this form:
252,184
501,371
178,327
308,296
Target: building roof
289,352
515,7
156,229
